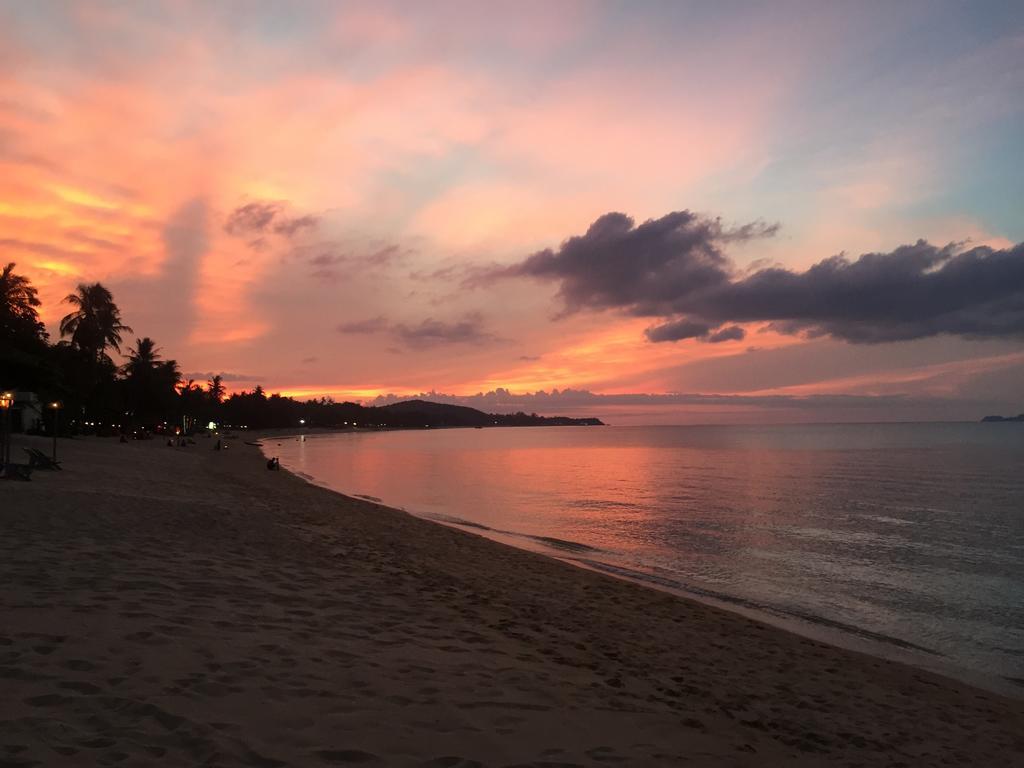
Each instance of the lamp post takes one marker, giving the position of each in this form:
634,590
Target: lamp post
55,407
6,401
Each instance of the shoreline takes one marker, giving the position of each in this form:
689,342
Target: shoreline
179,606
819,628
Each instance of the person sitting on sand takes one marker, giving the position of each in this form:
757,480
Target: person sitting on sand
274,464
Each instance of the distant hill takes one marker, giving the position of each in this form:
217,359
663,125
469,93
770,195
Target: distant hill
257,411
424,413
1018,417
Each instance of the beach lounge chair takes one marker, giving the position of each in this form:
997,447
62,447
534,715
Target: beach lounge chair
39,460
15,472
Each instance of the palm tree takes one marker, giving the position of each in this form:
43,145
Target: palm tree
96,323
215,388
19,320
143,359
150,382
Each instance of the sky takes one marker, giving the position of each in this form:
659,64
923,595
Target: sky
654,212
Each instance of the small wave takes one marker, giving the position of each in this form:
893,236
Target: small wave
565,545
449,520
367,497
789,613
570,546
890,520
1010,651
600,504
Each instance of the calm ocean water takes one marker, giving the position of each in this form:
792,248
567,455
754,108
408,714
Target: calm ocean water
900,539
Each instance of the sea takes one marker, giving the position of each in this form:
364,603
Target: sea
900,540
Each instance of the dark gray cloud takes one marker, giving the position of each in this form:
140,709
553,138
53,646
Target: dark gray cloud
431,332
727,333
470,329
674,268
913,292
263,217
645,270
676,330
290,227
333,260
251,218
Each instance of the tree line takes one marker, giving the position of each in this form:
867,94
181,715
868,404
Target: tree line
148,392
78,371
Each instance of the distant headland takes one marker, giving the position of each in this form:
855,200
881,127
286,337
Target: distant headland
416,413
1018,417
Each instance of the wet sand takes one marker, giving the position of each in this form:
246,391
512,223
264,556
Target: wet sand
173,606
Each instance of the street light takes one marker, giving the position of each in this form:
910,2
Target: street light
6,401
55,407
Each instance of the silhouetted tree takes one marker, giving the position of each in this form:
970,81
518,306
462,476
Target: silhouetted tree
150,384
215,389
93,327
96,323
19,320
194,404
22,335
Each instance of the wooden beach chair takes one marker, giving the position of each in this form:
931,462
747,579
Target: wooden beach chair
13,471
39,460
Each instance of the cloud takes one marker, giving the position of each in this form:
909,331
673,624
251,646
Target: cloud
644,270
502,400
912,292
225,376
429,332
728,333
677,330
327,258
164,304
373,325
262,217
290,227
251,218
675,268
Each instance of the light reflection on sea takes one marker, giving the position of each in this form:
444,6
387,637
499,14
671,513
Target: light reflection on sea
908,535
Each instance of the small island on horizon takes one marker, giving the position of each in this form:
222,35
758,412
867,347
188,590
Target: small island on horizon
1018,417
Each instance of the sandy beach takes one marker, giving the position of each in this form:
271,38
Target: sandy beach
180,606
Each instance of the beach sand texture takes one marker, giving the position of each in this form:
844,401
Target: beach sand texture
184,607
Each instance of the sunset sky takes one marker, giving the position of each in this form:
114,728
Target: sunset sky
637,200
